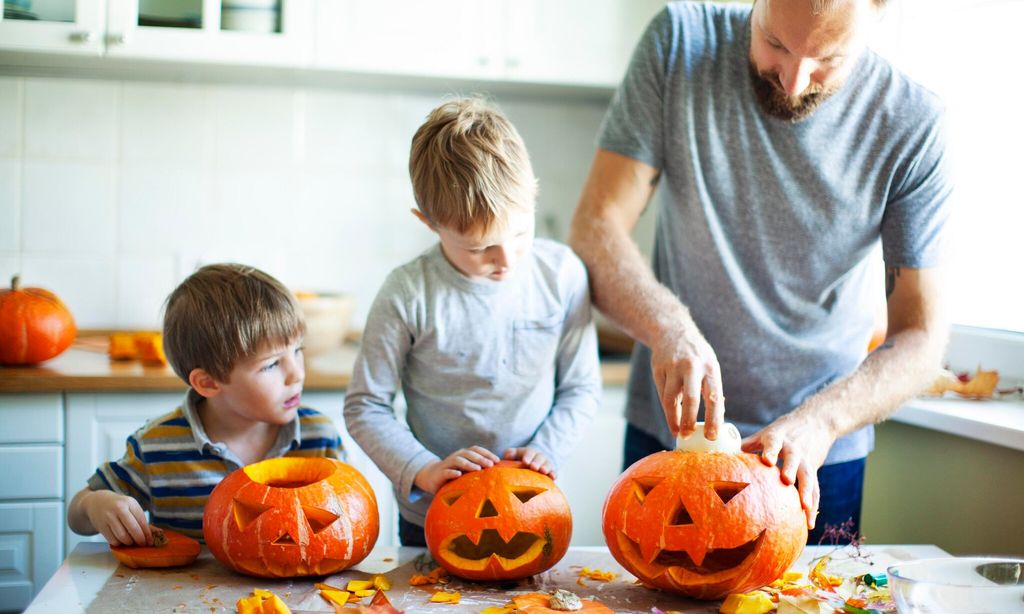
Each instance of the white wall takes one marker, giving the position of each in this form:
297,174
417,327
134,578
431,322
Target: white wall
111,192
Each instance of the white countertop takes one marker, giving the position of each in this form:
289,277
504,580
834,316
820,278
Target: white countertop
999,422
86,571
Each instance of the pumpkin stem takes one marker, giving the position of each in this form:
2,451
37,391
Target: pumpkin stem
16,282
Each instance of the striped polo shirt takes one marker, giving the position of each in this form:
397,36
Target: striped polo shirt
170,466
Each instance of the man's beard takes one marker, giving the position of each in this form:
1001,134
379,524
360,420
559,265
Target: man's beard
776,103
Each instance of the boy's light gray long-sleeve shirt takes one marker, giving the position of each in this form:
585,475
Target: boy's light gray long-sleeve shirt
495,364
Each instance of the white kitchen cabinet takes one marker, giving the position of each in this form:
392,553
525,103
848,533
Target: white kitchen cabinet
31,487
539,41
97,425
202,31
57,26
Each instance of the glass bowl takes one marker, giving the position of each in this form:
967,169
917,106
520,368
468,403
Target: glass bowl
965,585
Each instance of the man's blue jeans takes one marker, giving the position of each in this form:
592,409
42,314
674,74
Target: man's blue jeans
842,488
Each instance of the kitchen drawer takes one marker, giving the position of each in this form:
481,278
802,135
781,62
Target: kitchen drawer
31,418
30,550
31,472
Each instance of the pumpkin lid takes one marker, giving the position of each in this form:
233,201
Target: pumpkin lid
728,440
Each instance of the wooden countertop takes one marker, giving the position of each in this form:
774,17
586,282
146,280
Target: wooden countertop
86,366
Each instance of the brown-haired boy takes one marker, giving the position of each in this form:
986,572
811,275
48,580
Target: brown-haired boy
234,335
488,333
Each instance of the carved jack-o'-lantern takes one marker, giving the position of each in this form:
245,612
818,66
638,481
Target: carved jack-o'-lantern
288,517
501,523
704,524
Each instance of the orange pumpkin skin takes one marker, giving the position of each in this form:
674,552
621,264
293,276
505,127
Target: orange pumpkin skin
292,516
179,550
504,522
35,325
704,524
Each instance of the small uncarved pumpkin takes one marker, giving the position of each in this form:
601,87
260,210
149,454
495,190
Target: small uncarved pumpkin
34,325
501,523
174,550
704,524
292,516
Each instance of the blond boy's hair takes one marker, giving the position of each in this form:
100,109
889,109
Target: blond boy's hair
225,312
469,167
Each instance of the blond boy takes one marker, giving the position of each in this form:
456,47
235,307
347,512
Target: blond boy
488,333
234,335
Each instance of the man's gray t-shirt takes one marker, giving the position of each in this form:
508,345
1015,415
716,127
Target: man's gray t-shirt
765,225
496,364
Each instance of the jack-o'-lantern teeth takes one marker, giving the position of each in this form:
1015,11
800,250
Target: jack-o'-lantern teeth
714,561
490,543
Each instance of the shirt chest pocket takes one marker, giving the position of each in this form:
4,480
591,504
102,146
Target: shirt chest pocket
535,344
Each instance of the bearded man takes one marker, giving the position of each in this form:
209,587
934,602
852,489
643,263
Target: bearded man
787,151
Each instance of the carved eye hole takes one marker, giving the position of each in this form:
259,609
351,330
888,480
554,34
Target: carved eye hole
487,510
318,519
644,486
681,517
246,513
727,490
524,494
450,498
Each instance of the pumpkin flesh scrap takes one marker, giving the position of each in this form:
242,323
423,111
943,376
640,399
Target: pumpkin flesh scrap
176,551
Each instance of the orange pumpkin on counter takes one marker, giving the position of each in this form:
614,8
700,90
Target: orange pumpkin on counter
704,524
292,516
170,549
504,522
35,325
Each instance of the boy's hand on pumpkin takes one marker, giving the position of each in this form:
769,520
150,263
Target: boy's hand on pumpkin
432,477
802,443
533,459
119,518
686,369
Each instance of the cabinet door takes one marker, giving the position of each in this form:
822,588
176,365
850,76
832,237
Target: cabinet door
98,424
259,32
449,38
57,26
30,550
582,43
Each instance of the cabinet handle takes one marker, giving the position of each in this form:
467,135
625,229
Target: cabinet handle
116,39
82,37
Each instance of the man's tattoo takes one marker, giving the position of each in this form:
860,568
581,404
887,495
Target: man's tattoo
891,273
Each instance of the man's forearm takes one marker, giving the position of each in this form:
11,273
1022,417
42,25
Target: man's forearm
898,370
622,284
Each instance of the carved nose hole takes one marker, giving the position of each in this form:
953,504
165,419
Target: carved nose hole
727,490
681,517
487,510
284,540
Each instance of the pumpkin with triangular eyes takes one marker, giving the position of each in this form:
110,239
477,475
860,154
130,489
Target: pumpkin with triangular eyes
504,522
704,524
291,516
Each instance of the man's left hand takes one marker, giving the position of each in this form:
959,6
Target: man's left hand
802,442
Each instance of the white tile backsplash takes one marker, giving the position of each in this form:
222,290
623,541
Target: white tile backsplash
68,207
10,209
163,122
87,285
10,116
71,119
162,208
142,285
121,189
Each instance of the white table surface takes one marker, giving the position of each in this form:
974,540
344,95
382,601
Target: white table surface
85,572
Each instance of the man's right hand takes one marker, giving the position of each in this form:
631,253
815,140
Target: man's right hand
686,369
119,518
435,475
